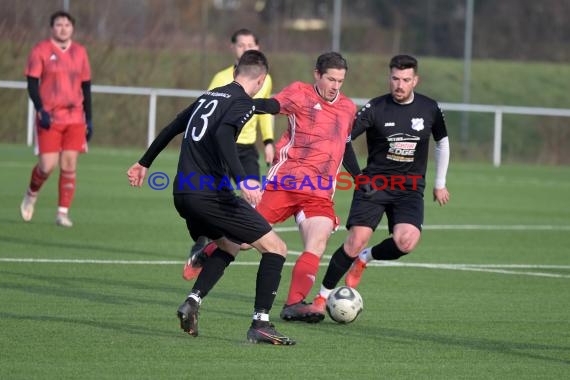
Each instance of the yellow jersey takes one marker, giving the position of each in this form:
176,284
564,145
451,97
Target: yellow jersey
248,134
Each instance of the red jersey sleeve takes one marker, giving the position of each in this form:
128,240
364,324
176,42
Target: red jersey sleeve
34,66
290,98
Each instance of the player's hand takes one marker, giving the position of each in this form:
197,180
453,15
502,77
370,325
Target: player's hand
44,118
441,196
368,189
251,191
269,153
89,131
136,174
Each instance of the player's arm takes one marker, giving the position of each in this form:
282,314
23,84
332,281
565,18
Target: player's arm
361,122
266,106
231,126
86,89
349,160
225,137
34,93
442,153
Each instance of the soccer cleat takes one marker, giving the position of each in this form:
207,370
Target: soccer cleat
354,274
188,315
304,312
264,332
63,220
197,257
27,206
320,304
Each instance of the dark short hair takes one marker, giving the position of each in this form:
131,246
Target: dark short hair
60,14
330,60
403,61
252,63
243,32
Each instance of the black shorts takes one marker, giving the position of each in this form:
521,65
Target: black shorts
219,214
399,206
249,158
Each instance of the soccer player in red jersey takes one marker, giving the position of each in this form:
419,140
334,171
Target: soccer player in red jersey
301,181
59,85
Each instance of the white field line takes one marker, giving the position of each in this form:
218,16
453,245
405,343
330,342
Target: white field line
489,268
468,227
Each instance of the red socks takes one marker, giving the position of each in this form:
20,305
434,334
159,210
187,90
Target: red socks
303,277
66,188
37,180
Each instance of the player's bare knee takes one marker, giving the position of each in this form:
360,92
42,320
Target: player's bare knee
281,248
354,245
316,247
407,243
46,170
271,243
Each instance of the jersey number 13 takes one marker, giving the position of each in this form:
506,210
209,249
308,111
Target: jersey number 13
205,111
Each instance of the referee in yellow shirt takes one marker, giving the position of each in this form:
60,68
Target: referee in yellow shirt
241,41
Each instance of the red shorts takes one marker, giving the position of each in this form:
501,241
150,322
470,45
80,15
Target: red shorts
278,205
61,137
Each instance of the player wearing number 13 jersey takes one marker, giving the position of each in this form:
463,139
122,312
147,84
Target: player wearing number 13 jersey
210,127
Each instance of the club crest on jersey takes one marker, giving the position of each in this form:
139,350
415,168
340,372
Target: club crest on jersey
418,124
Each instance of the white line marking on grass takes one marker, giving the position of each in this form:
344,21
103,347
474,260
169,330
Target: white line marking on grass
92,261
468,227
490,268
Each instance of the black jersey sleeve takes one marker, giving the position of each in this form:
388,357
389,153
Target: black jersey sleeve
349,161
363,120
86,90
225,136
439,130
176,126
34,92
266,106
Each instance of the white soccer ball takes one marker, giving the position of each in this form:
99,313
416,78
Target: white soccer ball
344,304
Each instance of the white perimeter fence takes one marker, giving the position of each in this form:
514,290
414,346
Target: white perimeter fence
154,93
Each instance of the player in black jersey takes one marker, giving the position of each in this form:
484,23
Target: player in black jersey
204,197
398,127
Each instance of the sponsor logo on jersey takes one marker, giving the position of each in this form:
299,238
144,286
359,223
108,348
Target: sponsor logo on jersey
402,147
390,124
53,57
318,106
418,124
